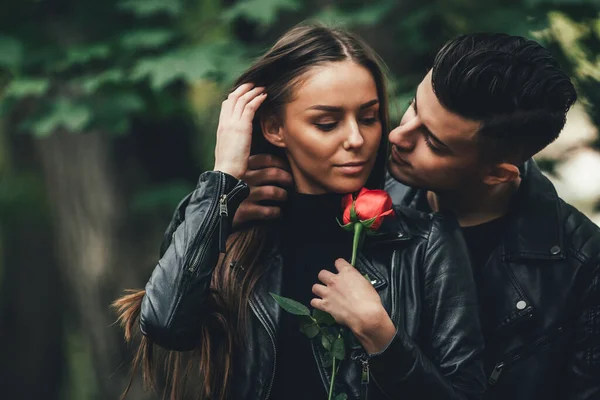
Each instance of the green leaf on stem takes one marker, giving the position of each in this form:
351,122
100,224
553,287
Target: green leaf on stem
338,349
341,396
322,317
309,327
327,341
291,306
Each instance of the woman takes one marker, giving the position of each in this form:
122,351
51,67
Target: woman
317,98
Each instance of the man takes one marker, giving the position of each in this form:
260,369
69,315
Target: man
489,103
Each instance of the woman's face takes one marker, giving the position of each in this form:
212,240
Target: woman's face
331,129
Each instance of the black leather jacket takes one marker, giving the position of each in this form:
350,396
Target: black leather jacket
540,297
419,267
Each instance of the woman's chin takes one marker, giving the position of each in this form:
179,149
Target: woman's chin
348,185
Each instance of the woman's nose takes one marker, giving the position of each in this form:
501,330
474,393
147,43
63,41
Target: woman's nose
354,138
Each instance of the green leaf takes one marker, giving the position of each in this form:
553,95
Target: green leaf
339,350
264,12
147,8
189,64
64,113
327,341
308,326
85,54
146,39
310,330
11,51
92,83
24,87
367,15
291,306
341,396
322,317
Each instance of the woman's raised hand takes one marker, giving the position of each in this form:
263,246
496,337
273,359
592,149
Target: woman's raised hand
234,134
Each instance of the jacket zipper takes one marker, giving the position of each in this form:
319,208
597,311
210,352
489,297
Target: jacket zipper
364,379
393,283
212,224
520,354
223,214
210,227
272,337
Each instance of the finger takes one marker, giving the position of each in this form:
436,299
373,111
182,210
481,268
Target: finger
326,277
260,161
341,264
229,103
246,98
252,106
319,290
319,304
267,193
269,176
240,91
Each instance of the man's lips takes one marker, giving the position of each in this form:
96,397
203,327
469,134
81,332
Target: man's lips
397,158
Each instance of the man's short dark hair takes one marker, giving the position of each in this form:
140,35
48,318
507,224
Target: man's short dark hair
511,84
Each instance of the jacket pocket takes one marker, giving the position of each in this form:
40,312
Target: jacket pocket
525,351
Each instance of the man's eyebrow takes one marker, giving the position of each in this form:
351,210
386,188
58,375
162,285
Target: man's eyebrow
340,109
431,134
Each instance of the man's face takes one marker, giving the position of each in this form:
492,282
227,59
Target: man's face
433,148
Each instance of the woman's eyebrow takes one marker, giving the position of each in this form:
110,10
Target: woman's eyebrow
340,109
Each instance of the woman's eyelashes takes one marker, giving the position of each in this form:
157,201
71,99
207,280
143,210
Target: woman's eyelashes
329,126
429,144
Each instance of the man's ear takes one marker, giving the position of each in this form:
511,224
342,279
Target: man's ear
501,173
273,131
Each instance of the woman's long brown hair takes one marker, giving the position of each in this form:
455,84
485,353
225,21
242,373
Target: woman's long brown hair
279,71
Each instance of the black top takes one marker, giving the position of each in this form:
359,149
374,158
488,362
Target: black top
311,241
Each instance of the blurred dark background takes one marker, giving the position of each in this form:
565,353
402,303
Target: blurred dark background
108,112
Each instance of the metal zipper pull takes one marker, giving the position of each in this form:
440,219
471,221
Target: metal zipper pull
364,380
223,214
493,379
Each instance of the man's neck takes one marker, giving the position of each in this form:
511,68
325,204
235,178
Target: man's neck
477,205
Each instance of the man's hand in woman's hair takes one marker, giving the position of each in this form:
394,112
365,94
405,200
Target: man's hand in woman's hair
269,178
234,134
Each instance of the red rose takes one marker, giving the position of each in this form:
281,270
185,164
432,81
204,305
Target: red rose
370,208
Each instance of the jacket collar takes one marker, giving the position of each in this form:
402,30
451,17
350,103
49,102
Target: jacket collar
535,229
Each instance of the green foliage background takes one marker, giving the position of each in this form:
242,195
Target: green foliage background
148,77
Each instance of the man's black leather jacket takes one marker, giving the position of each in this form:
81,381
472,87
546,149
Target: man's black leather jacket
540,297
419,267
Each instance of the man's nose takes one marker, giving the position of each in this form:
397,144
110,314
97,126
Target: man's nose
404,136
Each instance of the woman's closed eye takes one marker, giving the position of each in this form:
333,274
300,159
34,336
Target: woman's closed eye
329,126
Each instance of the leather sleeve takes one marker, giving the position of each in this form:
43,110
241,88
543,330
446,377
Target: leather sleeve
452,367
177,292
582,371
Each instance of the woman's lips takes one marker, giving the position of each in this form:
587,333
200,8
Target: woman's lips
352,168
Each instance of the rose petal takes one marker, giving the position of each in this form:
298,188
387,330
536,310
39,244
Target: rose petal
346,205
